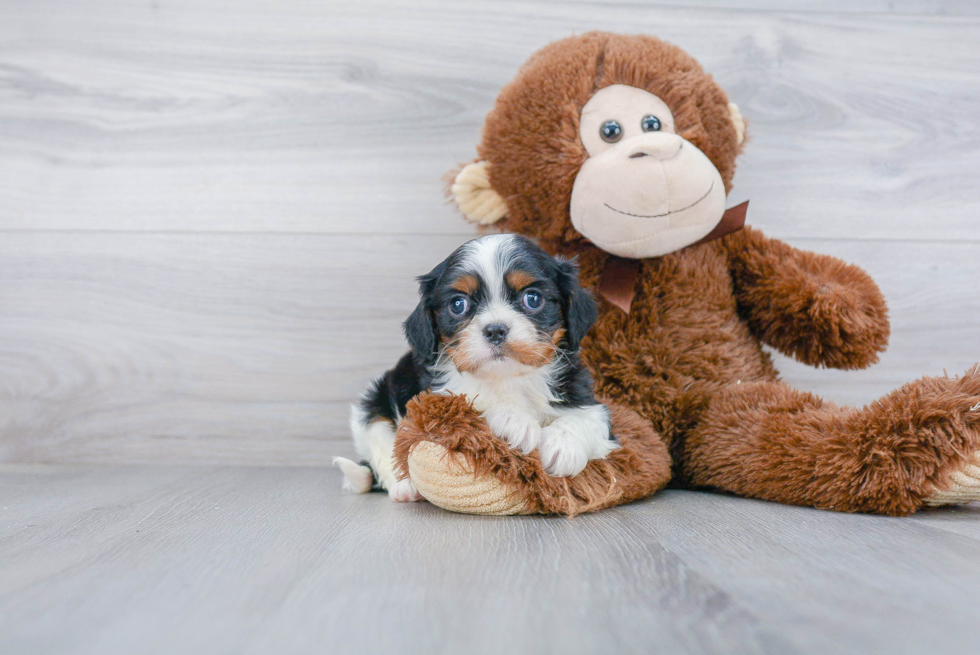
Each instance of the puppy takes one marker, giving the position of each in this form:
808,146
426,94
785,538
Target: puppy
500,322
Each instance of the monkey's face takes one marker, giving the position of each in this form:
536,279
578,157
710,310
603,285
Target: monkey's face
644,190
622,143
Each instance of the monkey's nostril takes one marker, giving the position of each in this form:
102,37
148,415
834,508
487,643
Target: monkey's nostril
637,155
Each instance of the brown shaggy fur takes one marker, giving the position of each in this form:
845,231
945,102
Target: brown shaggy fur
888,457
629,473
688,357
531,136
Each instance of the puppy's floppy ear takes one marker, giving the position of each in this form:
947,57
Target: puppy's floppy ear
580,309
420,328
421,333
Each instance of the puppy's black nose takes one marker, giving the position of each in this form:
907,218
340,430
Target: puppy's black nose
495,333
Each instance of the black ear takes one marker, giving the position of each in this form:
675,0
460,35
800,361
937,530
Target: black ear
421,333
580,309
420,328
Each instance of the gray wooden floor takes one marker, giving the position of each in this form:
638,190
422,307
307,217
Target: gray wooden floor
277,560
211,215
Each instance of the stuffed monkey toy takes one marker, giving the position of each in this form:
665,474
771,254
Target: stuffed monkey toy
620,150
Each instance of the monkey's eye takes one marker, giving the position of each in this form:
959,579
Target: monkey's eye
650,123
532,301
458,306
611,131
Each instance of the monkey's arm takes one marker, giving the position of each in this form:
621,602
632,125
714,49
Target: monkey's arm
816,308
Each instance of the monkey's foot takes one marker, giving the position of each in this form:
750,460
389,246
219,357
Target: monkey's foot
448,481
964,487
449,452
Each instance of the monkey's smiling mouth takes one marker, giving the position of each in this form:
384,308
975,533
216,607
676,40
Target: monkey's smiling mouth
710,188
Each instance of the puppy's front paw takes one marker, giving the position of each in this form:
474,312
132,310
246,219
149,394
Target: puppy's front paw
404,491
562,455
517,428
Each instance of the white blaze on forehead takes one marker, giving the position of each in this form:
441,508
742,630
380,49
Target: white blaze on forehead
489,258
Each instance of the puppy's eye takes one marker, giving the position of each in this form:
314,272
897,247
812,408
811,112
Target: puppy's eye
458,306
611,131
650,123
532,301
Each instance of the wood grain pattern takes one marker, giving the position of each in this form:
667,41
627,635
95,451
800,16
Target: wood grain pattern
211,215
304,117
913,7
248,348
190,347
846,583
260,560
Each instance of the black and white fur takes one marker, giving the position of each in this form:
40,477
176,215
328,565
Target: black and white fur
500,322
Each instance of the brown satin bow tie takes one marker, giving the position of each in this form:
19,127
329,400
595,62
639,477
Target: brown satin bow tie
618,281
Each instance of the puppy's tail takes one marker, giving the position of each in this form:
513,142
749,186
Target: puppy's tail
358,478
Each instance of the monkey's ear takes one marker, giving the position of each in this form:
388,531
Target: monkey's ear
474,196
738,121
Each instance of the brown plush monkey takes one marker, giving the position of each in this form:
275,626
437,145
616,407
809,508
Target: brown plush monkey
620,150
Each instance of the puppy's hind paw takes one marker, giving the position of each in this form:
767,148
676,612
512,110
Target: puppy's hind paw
404,491
357,477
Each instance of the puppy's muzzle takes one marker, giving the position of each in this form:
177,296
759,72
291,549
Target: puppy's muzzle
495,333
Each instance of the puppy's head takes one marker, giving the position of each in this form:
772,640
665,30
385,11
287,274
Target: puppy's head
499,305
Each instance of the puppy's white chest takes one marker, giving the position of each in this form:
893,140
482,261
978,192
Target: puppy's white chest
530,393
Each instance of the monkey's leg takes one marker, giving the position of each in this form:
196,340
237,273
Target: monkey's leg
456,462
917,446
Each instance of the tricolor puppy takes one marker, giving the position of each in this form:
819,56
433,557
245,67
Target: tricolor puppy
500,322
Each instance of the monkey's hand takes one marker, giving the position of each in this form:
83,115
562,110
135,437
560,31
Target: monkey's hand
816,308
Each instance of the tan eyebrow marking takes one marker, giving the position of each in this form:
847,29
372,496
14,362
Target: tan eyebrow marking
465,284
520,279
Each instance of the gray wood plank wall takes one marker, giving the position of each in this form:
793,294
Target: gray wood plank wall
211,212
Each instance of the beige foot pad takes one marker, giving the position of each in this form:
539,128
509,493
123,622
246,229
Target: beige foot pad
447,481
965,487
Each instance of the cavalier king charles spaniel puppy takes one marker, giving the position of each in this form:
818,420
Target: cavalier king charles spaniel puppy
500,322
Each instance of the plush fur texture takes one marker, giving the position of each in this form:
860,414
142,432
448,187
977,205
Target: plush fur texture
688,357
635,470
889,457
531,137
